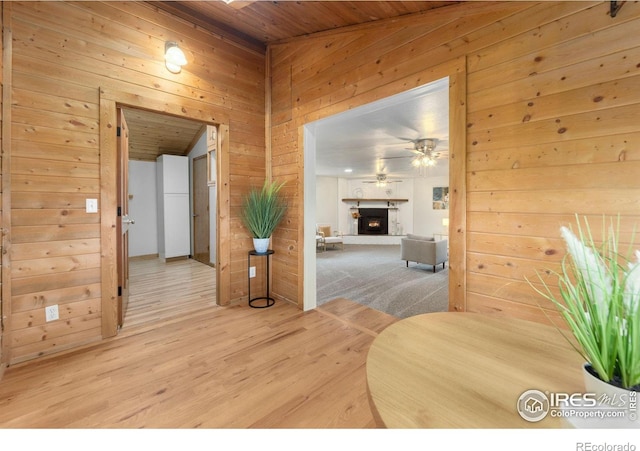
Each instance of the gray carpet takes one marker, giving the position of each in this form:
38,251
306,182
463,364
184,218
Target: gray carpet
376,277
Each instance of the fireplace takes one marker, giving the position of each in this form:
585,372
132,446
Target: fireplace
373,221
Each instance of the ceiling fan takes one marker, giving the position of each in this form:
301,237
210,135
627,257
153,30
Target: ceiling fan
425,152
381,180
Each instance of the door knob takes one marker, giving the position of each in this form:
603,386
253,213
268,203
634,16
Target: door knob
129,221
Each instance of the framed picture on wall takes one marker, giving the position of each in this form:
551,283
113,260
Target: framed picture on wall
440,197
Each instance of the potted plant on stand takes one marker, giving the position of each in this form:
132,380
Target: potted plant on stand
262,211
599,298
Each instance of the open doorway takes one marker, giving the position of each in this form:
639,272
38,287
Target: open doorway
454,73
373,191
110,101
168,200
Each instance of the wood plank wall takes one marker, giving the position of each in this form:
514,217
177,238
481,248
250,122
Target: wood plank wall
553,126
63,53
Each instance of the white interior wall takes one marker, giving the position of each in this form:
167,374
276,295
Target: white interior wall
327,201
310,219
428,220
143,235
415,216
143,206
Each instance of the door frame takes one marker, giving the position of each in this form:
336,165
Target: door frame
164,103
6,54
204,157
457,73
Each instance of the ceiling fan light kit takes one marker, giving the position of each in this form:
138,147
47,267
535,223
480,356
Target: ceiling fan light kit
381,180
426,156
423,161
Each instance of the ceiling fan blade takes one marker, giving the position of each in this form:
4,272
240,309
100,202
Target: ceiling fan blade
381,181
393,158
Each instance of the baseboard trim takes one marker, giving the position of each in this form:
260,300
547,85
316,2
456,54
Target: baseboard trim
175,259
144,257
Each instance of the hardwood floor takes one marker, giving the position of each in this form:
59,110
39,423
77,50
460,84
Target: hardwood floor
164,291
180,361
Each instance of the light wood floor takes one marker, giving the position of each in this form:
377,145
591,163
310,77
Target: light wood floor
182,362
165,291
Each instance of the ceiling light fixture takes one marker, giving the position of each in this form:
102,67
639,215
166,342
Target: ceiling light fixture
174,57
381,180
425,158
423,161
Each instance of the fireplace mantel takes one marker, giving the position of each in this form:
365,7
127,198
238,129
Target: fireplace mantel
387,201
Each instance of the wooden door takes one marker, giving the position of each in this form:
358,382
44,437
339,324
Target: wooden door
123,215
201,229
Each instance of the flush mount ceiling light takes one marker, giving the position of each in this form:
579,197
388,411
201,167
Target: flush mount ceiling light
174,57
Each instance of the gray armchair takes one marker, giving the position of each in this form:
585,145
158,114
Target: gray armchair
425,250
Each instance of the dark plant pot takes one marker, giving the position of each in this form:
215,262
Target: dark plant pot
616,383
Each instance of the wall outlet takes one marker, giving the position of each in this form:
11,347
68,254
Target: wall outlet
252,271
51,313
92,205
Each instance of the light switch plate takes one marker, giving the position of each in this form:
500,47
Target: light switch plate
92,205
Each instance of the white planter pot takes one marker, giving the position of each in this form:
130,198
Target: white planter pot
593,384
261,245
615,407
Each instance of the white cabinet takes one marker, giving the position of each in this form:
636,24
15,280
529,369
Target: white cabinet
174,236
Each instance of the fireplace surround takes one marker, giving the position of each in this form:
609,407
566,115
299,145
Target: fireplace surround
373,221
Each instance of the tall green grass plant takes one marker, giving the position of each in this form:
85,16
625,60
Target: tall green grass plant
263,209
600,301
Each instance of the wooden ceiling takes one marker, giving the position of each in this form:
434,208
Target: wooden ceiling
254,24
259,23
153,134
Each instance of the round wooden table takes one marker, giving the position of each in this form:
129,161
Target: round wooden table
466,370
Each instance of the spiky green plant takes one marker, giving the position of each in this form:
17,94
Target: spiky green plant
599,300
263,209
